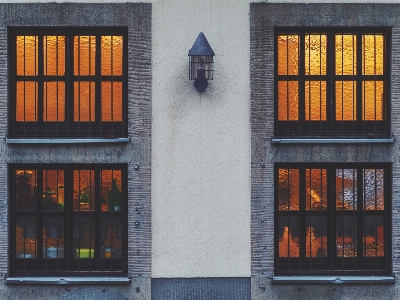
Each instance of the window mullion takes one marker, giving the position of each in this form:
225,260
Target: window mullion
359,80
302,214
301,81
330,82
360,212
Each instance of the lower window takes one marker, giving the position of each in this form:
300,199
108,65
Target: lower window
333,218
68,219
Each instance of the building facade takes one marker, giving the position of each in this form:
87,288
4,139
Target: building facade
121,181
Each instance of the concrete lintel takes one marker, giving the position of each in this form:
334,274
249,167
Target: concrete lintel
67,280
66,141
333,141
333,279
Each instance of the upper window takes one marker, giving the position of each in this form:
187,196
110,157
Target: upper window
68,219
332,82
67,82
333,218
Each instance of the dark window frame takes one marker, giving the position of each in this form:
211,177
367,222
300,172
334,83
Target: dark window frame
331,128
68,265
68,128
332,265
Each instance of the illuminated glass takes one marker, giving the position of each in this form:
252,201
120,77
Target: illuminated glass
288,51
288,98
288,189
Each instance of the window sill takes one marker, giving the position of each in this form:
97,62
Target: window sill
333,279
67,280
66,141
333,141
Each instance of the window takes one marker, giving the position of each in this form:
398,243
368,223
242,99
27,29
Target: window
333,218
67,82
332,82
68,219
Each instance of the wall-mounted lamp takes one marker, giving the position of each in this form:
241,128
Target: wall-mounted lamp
201,63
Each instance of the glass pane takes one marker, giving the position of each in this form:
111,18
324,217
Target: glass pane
315,106
26,190
111,238
346,236
84,190
316,237
53,237
288,101
346,107
373,54
84,55
54,55
346,49
27,101
54,101
111,195
111,55
374,236
111,101
288,189
346,189
25,237
83,231
289,237
84,101
288,54
53,190
315,54
316,189
27,55
374,194
373,102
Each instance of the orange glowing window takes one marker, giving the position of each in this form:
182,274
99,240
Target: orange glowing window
331,81
332,217
69,82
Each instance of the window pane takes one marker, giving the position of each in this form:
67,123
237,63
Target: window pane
83,230
84,55
374,236
111,55
346,189
288,54
315,106
27,55
26,190
315,54
288,189
111,101
346,106
27,101
53,237
373,54
373,189
84,101
316,189
111,198
25,239
372,93
288,101
316,237
54,101
84,190
54,55
346,236
346,49
111,238
53,190
289,237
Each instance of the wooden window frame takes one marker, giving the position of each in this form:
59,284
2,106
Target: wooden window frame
69,127
333,264
331,128
69,264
